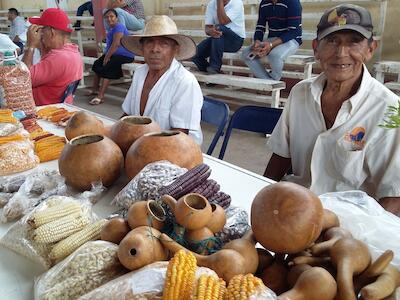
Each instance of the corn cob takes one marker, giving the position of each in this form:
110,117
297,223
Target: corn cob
53,213
180,276
207,188
68,245
241,287
60,228
209,288
187,182
222,199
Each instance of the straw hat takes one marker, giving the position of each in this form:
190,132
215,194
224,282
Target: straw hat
161,26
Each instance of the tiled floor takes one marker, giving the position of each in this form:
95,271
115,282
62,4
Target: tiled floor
245,149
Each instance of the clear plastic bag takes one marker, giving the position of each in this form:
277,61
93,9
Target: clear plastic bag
145,283
9,128
147,183
12,184
367,221
19,236
35,188
4,198
15,85
237,224
17,156
90,266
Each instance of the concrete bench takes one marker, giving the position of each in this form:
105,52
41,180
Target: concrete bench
383,68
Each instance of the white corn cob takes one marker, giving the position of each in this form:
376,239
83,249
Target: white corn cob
61,228
53,213
68,245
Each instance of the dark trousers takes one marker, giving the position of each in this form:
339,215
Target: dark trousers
20,45
214,48
87,6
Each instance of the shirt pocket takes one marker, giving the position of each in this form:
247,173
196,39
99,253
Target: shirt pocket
348,165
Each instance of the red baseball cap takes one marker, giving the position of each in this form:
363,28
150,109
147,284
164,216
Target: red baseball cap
53,17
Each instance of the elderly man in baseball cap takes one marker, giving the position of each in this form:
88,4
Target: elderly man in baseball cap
61,62
329,131
162,88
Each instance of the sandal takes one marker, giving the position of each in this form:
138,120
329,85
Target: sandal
96,101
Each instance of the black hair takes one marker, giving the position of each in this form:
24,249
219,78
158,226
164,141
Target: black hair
13,11
112,10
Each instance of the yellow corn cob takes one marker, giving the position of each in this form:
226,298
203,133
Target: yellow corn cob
53,213
180,276
241,287
68,245
61,228
209,288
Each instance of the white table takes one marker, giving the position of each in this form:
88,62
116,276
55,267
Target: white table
17,273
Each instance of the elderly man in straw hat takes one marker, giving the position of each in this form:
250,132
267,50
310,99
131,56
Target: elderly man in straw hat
162,88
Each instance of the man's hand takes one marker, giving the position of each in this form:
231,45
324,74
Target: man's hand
33,36
212,31
391,204
264,49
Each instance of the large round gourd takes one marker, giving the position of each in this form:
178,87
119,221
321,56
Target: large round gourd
286,217
174,146
83,123
90,158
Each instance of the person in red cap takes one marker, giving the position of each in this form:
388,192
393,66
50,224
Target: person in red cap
61,62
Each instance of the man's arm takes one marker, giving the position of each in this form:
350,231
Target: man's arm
32,42
223,18
391,204
277,167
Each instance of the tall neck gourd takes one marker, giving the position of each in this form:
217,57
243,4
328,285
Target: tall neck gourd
351,257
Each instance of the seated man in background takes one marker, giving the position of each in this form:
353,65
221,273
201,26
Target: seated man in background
87,6
162,88
18,28
329,130
284,37
61,62
224,24
130,13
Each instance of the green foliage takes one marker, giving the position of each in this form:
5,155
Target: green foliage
392,117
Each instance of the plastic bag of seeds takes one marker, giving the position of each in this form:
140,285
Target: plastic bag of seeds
17,156
29,238
35,188
15,84
90,266
237,224
147,183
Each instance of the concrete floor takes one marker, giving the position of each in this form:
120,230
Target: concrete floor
245,149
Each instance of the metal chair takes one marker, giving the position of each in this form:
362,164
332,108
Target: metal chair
70,90
216,113
251,118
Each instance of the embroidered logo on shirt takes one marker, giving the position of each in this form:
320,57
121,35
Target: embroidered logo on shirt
355,138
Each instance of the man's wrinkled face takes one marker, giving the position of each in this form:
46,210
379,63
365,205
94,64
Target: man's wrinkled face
159,52
46,36
342,54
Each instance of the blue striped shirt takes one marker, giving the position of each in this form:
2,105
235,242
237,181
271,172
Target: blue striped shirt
283,19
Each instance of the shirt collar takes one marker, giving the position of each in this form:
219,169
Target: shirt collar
318,84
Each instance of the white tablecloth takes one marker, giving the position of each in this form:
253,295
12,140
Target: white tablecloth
17,273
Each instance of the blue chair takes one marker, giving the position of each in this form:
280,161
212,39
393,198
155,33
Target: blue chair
70,90
216,113
252,118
